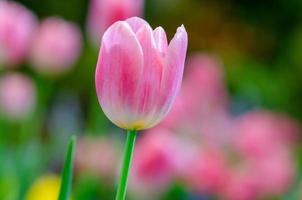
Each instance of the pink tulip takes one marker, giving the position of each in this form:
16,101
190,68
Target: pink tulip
207,172
17,96
264,142
156,161
138,74
275,174
203,95
56,47
261,134
242,185
256,179
17,25
206,76
103,13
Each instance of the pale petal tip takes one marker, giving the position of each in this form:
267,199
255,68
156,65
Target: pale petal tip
159,31
136,23
135,18
159,28
181,33
120,24
182,29
160,37
116,26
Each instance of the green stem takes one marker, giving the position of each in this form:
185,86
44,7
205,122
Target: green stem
128,152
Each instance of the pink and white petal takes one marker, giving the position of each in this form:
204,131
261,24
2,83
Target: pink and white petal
174,67
152,72
136,23
120,33
161,40
119,68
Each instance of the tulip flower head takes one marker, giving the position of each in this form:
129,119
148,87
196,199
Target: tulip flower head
17,96
156,159
262,134
209,172
47,186
241,186
155,164
56,46
275,174
17,25
138,73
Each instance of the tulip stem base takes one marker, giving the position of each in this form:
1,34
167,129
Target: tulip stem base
128,153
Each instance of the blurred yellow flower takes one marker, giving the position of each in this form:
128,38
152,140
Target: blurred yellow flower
46,188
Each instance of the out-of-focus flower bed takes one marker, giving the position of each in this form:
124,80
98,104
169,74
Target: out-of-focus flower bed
233,133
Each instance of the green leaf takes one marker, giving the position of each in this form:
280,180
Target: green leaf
66,179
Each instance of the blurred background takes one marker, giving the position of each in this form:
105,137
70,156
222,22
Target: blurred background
233,133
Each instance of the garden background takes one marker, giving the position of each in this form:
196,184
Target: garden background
233,133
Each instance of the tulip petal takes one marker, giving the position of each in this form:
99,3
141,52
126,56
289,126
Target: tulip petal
161,40
136,23
119,68
152,72
174,66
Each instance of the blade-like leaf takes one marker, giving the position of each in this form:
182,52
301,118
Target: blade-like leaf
66,179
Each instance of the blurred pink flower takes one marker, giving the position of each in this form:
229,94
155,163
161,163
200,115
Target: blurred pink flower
17,25
204,74
258,179
138,74
56,46
156,161
275,174
261,134
97,155
201,108
207,172
242,185
264,141
203,94
17,96
103,13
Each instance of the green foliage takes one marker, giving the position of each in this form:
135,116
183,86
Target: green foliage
66,179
